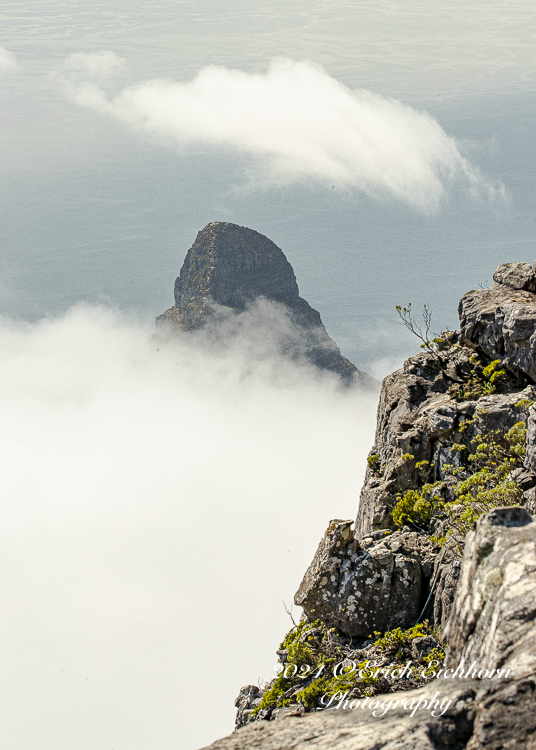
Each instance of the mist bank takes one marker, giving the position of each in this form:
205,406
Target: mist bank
160,503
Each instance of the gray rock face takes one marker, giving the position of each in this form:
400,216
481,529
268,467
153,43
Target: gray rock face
231,265
418,419
247,701
504,717
516,275
359,729
446,575
502,322
360,589
374,579
365,581
530,458
529,476
492,618
492,627
227,269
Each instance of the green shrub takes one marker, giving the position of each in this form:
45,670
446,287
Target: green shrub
320,654
418,506
483,380
374,463
481,483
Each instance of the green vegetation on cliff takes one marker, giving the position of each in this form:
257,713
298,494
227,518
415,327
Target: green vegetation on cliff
478,479
317,663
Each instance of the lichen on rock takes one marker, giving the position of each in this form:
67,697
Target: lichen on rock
363,587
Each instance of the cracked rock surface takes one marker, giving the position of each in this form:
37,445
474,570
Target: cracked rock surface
501,320
418,420
492,624
492,618
379,578
516,275
359,730
360,589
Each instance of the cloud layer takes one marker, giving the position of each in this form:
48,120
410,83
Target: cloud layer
8,61
296,119
159,503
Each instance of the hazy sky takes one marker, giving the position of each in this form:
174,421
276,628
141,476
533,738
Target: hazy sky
103,195
411,49
159,506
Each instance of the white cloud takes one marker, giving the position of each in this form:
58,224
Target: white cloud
101,65
157,507
8,61
299,121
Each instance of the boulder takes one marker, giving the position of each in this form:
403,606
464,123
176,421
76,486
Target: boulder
516,275
359,589
492,618
501,321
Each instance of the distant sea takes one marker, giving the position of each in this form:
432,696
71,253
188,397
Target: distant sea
92,212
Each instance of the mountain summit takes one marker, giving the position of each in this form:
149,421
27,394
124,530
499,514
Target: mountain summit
227,270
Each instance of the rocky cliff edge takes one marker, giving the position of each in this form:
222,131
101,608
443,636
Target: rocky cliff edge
440,570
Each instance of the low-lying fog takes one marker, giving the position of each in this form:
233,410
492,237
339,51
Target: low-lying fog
159,505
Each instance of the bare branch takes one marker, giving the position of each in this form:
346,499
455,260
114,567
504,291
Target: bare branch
289,613
407,319
429,340
427,317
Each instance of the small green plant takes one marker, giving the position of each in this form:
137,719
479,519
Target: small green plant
433,660
418,506
483,380
396,638
481,482
374,463
316,665
524,403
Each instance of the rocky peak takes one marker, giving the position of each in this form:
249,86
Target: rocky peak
231,265
228,269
